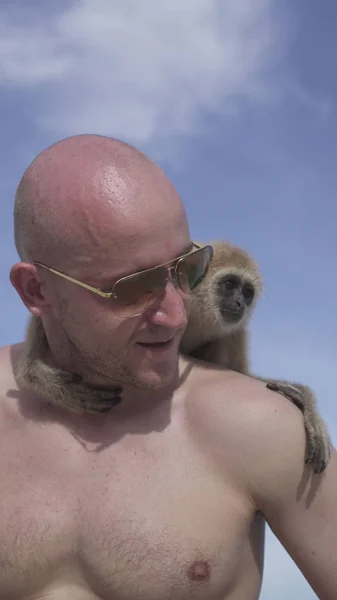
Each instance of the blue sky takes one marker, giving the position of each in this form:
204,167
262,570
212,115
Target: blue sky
237,101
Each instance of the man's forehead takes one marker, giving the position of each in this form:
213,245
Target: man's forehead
139,259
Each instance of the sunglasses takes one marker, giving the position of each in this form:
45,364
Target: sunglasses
136,293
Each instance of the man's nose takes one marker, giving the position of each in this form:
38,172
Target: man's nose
171,310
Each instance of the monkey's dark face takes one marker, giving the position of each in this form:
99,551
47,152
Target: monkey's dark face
235,295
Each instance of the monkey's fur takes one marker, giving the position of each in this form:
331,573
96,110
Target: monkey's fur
217,332
221,307
62,388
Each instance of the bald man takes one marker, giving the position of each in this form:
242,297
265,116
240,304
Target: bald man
163,493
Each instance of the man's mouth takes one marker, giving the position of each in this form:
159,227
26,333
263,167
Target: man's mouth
163,345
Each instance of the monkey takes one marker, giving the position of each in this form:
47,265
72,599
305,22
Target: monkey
221,307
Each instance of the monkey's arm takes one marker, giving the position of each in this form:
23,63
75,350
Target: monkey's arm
61,388
304,398
66,390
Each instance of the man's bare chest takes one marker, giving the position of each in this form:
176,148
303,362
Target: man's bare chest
131,521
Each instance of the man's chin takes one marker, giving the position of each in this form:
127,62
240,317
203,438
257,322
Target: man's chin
156,367
159,378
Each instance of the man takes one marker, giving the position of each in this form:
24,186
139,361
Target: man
165,495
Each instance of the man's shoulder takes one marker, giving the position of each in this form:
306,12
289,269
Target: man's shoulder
242,420
9,357
235,395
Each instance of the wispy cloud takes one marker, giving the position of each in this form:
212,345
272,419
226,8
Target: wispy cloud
140,70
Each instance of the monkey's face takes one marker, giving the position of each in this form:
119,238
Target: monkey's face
234,297
224,301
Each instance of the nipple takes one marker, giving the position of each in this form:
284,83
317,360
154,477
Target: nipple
199,571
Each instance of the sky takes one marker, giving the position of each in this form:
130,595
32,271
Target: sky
236,100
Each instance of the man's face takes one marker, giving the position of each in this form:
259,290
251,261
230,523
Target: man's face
127,350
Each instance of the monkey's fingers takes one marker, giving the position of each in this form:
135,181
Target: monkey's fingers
317,434
98,400
291,392
320,468
89,398
313,459
320,443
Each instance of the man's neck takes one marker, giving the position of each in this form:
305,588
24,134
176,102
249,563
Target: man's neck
67,385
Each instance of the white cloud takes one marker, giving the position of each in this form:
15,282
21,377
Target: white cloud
140,70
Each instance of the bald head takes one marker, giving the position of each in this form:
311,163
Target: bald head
83,190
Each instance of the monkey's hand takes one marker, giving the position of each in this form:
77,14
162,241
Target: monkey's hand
67,390
87,398
304,398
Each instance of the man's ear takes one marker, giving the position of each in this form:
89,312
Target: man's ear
24,278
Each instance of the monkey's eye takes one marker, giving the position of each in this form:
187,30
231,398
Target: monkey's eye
248,291
230,283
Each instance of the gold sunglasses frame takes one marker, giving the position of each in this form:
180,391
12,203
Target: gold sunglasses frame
112,294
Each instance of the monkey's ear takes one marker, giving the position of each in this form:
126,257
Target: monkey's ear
24,279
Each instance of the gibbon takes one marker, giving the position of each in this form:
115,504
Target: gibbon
221,307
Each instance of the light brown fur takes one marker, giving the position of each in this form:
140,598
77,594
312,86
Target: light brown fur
61,388
210,337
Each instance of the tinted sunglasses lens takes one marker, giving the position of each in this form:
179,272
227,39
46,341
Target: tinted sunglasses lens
136,293
192,268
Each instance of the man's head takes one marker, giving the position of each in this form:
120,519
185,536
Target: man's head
98,209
